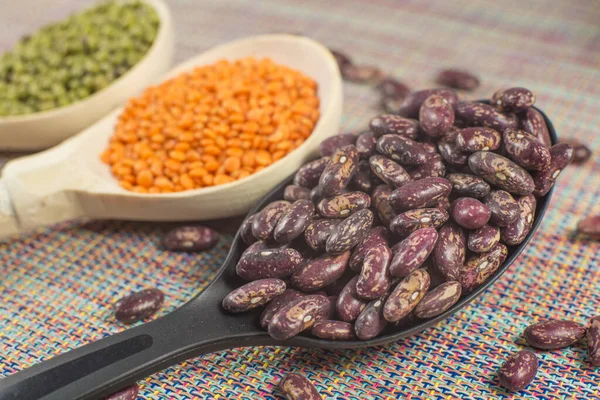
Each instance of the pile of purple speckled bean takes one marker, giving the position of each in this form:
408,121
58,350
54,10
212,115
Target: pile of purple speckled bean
446,255
392,226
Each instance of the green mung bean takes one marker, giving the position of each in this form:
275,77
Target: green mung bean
67,61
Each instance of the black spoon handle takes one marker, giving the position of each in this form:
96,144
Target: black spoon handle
100,368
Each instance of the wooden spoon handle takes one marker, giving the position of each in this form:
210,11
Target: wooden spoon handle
41,189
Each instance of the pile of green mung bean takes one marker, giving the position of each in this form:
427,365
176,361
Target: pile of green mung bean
67,61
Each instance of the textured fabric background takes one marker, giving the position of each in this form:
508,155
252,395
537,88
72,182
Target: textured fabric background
57,285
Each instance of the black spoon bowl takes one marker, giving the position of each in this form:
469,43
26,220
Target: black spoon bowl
199,327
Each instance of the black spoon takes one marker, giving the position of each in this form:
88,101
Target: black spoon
200,326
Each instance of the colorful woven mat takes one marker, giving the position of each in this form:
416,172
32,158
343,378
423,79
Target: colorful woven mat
57,285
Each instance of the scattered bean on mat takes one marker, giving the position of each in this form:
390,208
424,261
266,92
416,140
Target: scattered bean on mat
138,306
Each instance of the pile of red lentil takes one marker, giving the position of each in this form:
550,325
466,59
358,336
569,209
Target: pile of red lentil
216,124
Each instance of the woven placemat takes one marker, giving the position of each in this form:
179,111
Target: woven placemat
57,284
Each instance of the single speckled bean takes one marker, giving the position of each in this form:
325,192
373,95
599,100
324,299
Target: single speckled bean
448,150
349,304
370,322
388,171
298,315
504,208
333,330
253,294
458,79
258,246
480,267
364,74
411,104
581,153
553,334
343,204
333,143
474,139
376,236
518,371
438,300
469,213
138,306
191,238
467,185
479,114
318,231
412,252
593,341
419,194
590,226
533,122
501,172
339,172
389,124
292,193
450,251
374,279
333,298
319,272
515,99
129,393
406,295
515,232
393,88
294,221
561,155
526,150
308,175
409,221
277,304
436,116
364,179
401,149
365,145
270,263
380,199
297,387
349,232
265,221
246,230
483,239
433,167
